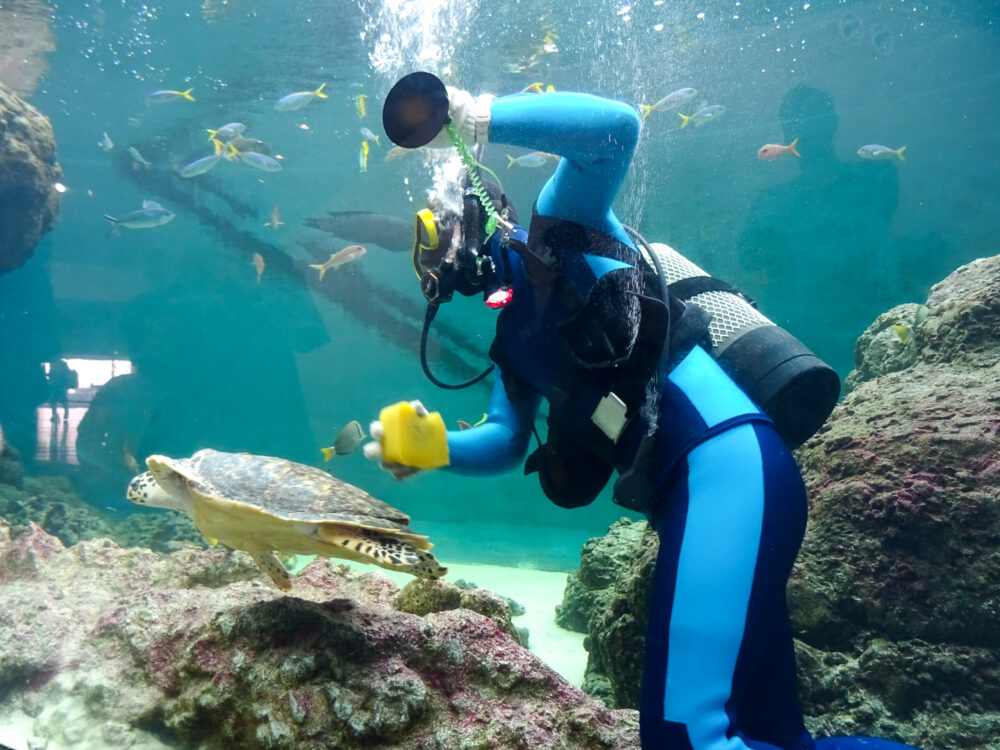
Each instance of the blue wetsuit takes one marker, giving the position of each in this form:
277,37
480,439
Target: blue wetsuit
730,510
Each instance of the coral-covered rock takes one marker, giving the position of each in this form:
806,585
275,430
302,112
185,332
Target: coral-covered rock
194,649
894,599
424,596
161,532
606,599
888,345
52,504
603,559
29,204
11,465
905,519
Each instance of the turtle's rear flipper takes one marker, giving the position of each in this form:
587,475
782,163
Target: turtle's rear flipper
270,564
384,550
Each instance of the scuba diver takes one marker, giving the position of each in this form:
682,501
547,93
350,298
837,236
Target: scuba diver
587,324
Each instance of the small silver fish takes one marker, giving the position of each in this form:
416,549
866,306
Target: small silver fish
347,441
168,95
299,99
877,152
368,135
227,132
151,215
532,160
262,162
673,100
923,312
350,254
703,115
137,157
200,166
106,144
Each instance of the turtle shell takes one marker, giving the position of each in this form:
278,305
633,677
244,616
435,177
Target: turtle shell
287,490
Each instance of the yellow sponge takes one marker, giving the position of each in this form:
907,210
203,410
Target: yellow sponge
411,439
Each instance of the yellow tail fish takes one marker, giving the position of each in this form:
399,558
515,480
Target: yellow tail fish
363,156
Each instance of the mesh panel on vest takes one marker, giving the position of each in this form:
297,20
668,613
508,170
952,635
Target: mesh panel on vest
732,316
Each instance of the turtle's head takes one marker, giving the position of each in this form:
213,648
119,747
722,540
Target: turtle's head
160,487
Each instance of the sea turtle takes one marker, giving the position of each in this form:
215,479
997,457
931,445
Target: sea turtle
264,505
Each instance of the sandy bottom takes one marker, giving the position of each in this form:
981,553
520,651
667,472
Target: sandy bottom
538,591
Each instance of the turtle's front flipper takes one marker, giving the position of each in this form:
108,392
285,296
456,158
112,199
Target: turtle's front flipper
375,548
270,564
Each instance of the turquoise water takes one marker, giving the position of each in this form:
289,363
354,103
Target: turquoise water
824,242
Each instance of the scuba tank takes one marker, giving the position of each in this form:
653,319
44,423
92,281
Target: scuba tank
784,378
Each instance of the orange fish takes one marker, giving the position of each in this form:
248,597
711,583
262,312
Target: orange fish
259,264
347,255
773,151
275,221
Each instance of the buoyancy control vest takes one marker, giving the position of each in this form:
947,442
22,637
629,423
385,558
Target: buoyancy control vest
595,334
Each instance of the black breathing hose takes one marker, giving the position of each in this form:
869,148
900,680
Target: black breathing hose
428,318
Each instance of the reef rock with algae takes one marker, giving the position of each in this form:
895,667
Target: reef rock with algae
108,647
29,204
895,599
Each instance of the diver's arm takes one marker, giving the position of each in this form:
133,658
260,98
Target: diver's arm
500,443
596,138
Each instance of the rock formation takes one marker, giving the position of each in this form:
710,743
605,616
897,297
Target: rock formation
894,599
29,204
109,647
606,599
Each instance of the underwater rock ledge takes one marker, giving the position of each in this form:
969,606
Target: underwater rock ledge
28,170
102,646
895,598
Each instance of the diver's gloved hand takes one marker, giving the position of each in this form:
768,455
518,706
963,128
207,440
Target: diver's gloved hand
409,438
470,116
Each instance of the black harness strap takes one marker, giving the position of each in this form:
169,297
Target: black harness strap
692,286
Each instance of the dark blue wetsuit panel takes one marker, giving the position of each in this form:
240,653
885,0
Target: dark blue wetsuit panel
730,523
719,669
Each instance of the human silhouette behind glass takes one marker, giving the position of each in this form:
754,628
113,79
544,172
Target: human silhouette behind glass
61,380
215,367
815,250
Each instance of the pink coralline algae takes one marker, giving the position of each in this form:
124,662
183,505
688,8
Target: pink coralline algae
156,657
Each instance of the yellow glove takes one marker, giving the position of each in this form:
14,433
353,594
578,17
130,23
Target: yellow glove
409,435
